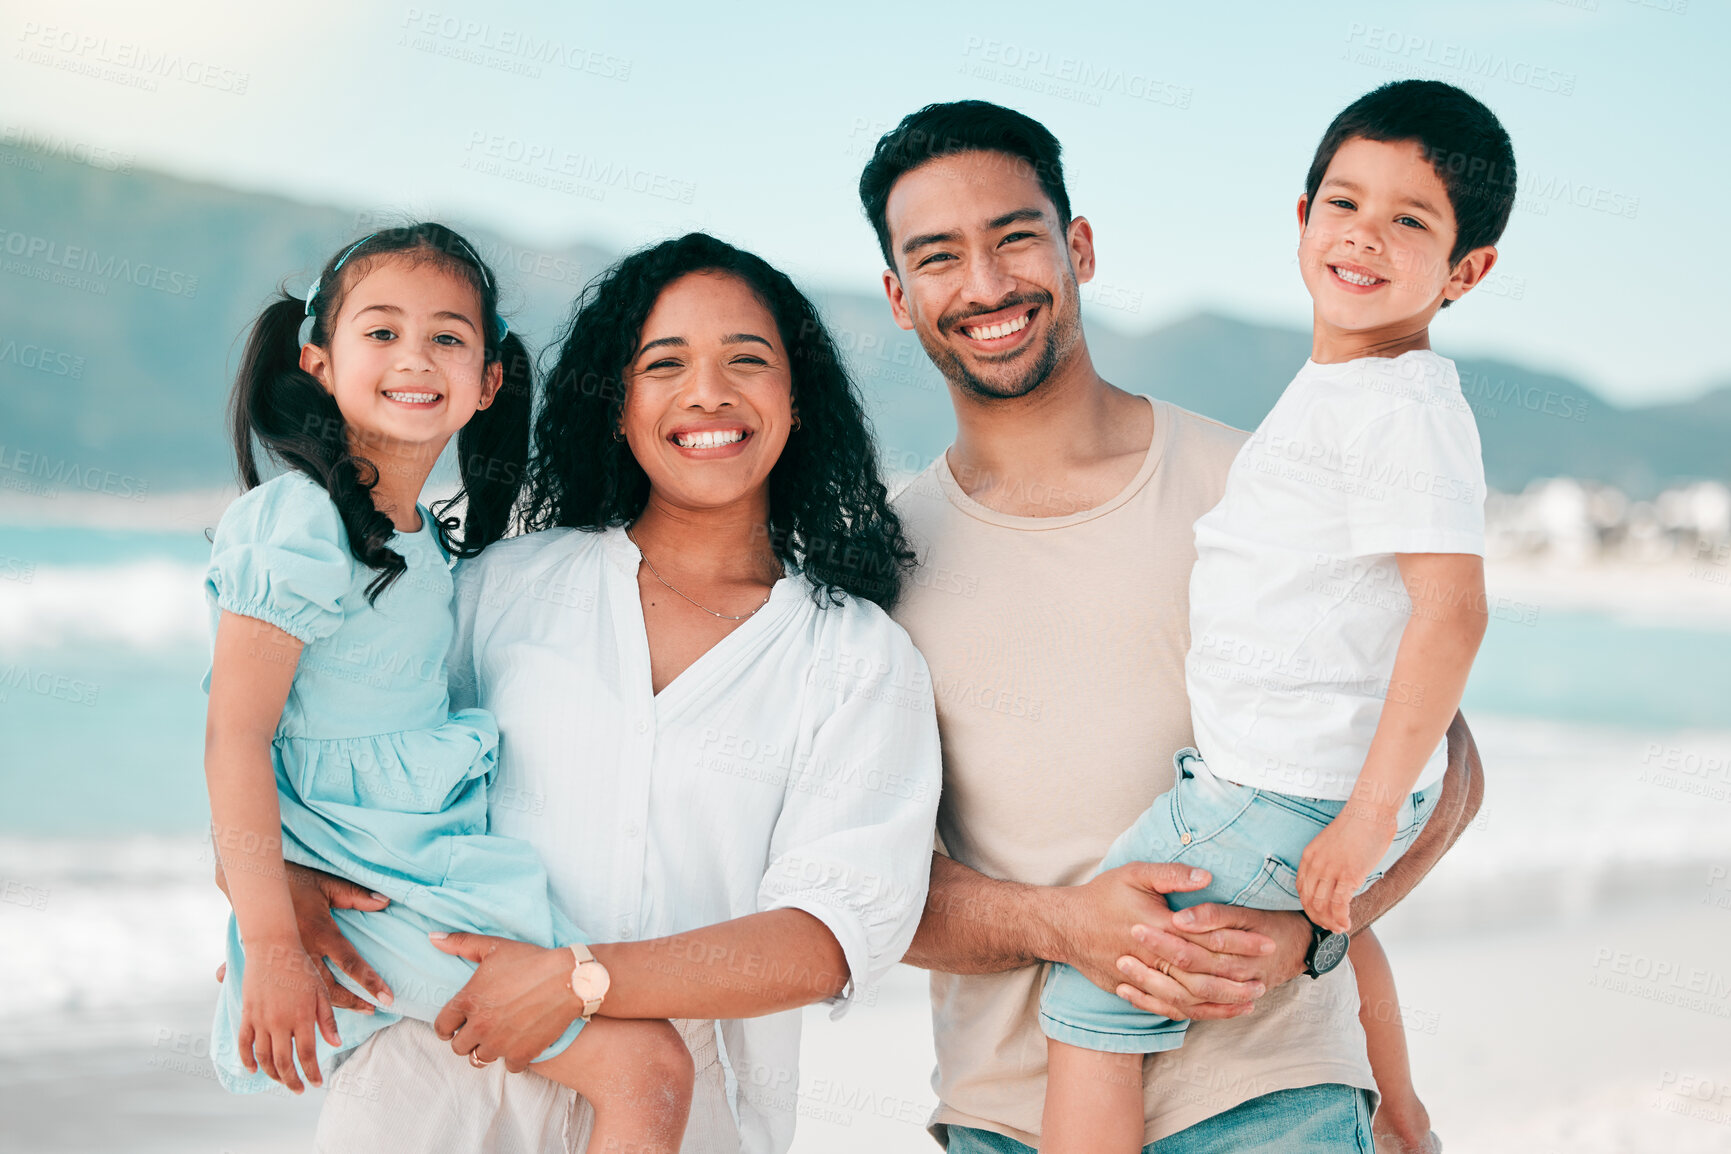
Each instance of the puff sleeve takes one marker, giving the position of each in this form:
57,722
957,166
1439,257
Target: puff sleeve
281,556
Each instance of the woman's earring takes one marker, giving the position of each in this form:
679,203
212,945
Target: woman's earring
796,421
617,435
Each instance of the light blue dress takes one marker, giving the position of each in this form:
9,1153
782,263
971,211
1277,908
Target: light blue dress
377,780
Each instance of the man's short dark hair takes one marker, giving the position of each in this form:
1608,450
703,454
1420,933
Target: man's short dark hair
1461,138
939,130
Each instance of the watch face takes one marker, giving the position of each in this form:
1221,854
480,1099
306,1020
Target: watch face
1330,949
591,981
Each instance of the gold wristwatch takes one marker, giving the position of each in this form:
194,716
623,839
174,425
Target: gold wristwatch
589,980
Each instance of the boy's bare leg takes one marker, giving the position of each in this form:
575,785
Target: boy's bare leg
637,1075
1093,1102
1402,1124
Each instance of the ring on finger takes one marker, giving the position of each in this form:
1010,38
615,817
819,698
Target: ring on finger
477,1063
1164,966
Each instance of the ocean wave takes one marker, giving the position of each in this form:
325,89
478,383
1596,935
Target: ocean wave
145,604
1576,820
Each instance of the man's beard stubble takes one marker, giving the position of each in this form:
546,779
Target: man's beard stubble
1061,336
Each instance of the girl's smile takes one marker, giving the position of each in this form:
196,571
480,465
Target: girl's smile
406,361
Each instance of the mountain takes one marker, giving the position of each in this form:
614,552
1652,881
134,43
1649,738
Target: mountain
124,298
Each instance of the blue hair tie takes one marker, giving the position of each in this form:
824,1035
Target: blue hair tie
480,266
313,293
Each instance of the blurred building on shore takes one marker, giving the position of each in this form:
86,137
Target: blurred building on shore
1566,519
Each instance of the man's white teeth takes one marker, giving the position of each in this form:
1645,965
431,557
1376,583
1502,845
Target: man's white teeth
992,332
711,439
412,398
1355,278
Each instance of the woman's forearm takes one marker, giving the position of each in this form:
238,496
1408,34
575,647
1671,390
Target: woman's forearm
744,968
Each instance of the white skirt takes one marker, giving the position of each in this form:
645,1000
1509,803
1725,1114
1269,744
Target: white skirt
405,1089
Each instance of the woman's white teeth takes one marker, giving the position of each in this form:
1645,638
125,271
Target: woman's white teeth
992,332
711,439
412,398
1355,278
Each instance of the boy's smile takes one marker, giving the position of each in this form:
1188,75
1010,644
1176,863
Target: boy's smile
1374,250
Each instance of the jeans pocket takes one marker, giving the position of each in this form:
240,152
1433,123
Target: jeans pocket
1204,806
1275,887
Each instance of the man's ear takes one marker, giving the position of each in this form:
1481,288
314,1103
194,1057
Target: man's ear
1081,243
490,382
1469,271
316,363
898,300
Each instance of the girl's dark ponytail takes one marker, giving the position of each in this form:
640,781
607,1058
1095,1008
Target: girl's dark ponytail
298,422
287,411
492,458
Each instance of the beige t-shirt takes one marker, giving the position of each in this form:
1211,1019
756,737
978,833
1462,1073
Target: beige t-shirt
1056,647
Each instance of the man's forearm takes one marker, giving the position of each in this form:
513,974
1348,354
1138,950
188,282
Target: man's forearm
974,924
1462,791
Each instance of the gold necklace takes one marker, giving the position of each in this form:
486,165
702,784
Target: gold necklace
656,574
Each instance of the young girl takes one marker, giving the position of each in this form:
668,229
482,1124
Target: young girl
329,741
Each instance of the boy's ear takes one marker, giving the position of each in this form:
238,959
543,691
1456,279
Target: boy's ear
316,364
490,382
1471,269
1303,205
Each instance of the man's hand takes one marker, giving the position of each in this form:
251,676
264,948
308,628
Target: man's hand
315,895
1166,970
518,1002
1195,938
1337,861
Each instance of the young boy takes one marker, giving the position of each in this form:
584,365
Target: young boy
1337,600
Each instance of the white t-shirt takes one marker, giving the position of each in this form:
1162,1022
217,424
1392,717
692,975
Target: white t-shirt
1296,604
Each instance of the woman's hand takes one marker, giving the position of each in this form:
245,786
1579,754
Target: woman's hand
283,1009
518,1003
315,895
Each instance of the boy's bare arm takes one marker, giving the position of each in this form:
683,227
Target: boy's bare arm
1436,653
1463,793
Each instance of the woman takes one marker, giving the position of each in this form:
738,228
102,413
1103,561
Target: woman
721,746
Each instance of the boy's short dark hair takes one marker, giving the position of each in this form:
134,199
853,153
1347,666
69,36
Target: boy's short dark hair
939,130
1463,140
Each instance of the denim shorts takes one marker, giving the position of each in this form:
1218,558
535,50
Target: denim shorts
1326,1119
1251,840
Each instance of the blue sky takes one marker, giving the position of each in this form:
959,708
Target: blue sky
1187,130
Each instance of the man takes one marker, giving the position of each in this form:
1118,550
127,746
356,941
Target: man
1055,542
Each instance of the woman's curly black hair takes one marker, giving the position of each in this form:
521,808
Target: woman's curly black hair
829,512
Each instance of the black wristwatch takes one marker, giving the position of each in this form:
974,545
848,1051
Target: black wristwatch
1327,950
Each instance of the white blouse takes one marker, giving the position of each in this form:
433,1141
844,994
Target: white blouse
794,765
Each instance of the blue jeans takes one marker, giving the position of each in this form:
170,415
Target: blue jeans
1251,841
1327,1119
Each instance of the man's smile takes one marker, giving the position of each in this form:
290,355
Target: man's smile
998,331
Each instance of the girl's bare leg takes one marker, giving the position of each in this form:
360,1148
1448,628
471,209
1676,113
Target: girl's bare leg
1093,1101
637,1075
1402,1124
